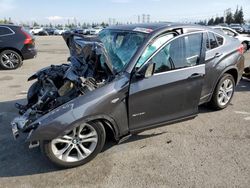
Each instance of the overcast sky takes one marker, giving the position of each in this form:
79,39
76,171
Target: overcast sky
60,11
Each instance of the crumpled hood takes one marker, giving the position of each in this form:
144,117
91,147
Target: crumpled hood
85,50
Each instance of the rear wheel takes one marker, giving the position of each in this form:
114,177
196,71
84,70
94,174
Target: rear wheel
223,92
77,147
10,59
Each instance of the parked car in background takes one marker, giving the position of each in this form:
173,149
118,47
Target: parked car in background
16,45
246,29
60,31
223,24
245,40
78,31
36,30
237,27
95,30
87,30
144,76
43,33
50,31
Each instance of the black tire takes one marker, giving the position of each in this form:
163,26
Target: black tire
245,46
214,103
14,58
101,134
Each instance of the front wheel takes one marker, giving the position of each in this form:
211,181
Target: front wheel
223,92
77,147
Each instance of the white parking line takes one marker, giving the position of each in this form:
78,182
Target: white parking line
244,113
247,118
23,92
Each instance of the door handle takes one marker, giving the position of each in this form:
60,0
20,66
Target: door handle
196,75
218,55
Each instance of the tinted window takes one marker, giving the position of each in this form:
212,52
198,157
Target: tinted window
162,60
5,31
180,53
219,39
152,48
211,43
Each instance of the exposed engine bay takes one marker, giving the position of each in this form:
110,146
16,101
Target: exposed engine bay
88,68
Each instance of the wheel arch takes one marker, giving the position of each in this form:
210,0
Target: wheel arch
108,123
11,48
230,70
246,42
234,73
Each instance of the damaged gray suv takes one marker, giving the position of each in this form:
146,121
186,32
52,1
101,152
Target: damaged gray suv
128,79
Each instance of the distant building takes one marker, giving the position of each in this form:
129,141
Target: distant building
139,19
143,18
148,18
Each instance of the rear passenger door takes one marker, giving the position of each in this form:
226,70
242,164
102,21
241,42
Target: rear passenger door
174,89
214,54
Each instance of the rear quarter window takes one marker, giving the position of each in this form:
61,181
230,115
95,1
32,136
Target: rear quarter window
5,31
214,40
219,39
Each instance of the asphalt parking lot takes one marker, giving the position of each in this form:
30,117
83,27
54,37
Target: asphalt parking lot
211,150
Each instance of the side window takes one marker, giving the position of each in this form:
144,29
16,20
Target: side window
228,32
152,48
180,53
212,42
162,60
193,45
5,31
220,39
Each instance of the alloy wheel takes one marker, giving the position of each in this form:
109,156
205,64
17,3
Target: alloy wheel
225,92
10,60
76,145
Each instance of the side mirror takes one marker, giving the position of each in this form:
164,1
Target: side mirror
146,72
150,70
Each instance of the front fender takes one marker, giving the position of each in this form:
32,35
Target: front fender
51,125
107,102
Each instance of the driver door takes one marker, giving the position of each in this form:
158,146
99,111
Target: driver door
173,89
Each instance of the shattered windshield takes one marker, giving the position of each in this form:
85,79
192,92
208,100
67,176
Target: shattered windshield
121,46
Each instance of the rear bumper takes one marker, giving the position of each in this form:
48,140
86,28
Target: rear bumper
29,53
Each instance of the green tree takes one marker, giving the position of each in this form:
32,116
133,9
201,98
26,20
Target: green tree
221,20
239,16
216,21
35,24
103,24
202,22
210,22
236,15
229,18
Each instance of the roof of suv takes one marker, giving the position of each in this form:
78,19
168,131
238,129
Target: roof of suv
10,25
152,26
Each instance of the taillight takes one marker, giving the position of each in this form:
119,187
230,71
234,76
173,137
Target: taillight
28,39
241,49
